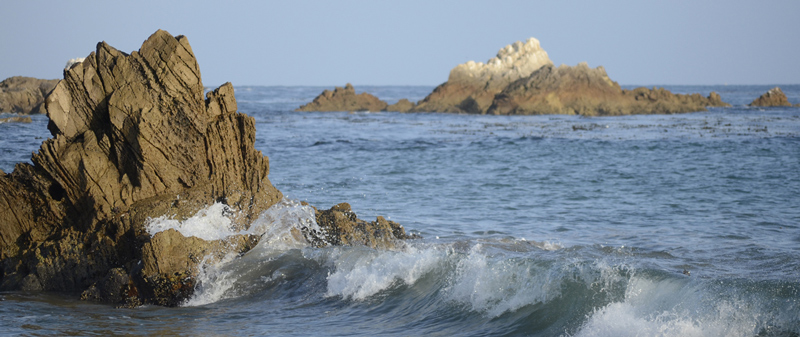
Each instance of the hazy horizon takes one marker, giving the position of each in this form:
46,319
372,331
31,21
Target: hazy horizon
318,43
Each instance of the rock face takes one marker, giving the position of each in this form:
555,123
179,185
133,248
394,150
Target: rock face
523,80
471,86
24,95
586,91
133,138
773,97
344,99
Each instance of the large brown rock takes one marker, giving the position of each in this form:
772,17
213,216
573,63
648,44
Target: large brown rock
344,99
24,95
523,80
586,91
134,139
773,97
471,86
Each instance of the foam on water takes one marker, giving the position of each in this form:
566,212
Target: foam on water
675,307
210,223
280,229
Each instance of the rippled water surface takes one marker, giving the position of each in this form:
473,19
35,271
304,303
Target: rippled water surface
531,225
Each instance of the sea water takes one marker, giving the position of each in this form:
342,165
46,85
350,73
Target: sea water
531,225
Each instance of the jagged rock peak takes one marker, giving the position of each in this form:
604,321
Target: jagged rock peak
773,97
512,62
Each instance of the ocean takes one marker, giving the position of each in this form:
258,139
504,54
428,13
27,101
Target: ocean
650,225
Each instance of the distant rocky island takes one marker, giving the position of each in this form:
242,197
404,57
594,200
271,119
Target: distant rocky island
522,80
773,97
134,138
24,95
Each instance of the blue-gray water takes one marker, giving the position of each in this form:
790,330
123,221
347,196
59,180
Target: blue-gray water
532,225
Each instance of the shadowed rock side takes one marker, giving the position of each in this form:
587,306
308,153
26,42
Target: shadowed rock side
585,91
773,97
133,139
471,86
24,95
344,99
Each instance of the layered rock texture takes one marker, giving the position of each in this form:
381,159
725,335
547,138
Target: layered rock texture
523,80
773,97
344,99
134,138
590,92
472,86
24,95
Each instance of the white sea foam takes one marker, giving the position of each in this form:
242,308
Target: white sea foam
210,223
672,307
361,273
280,228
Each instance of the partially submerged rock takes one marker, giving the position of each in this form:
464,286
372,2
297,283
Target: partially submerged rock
344,99
341,227
134,139
471,86
523,80
24,95
773,97
16,119
403,105
590,92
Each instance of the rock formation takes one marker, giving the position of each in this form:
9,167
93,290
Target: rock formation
344,99
471,86
523,80
16,119
134,138
403,105
773,97
586,91
24,95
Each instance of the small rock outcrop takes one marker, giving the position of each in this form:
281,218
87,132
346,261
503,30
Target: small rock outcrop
471,86
773,97
403,105
590,92
24,95
344,99
134,139
341,227
16,119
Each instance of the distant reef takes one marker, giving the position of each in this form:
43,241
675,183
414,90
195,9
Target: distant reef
134,138
24,95
773,97
346,99
522,80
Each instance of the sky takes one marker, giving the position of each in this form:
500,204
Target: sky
412,42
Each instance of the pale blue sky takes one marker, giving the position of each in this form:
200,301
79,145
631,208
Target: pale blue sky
417,42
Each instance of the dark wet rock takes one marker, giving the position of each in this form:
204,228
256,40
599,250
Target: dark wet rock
403,105
590,92
24,95
133,139
340,226
344,99
773,97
